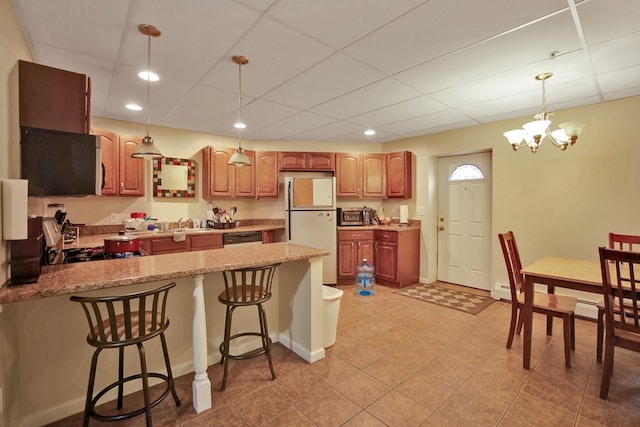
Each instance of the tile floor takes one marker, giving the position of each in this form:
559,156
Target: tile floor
398,361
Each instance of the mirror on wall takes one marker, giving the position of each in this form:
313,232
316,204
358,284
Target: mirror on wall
174,177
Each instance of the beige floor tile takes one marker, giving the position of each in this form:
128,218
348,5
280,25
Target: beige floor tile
362,388
396,409
459,408
328,408
427,391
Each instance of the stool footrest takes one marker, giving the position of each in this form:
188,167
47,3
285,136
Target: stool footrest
117,417
248,355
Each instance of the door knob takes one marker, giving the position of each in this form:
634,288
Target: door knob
441,228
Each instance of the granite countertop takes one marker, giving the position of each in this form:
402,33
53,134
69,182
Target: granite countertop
64,279
92,240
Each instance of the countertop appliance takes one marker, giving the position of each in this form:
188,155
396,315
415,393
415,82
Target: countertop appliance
310,218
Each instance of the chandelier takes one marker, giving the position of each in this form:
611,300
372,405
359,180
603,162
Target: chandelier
147,150
239,158
532,133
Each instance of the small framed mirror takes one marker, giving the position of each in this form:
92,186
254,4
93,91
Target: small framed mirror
174,177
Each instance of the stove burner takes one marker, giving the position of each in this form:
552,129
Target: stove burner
95,254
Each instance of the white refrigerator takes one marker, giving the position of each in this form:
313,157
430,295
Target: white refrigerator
310,218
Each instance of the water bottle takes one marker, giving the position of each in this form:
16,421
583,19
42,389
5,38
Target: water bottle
364,279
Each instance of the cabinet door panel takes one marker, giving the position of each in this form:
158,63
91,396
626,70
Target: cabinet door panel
399,174
244,177
267,174
110,160
131,169
290,161
222,176
321,161
205,241
374,175
347,252
348,175
386,261
367,252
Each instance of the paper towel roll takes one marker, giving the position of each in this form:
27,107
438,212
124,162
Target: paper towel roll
14,209
404,214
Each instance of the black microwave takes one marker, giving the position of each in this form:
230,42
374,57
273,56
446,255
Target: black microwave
354,216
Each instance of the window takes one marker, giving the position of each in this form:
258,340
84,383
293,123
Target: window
466,173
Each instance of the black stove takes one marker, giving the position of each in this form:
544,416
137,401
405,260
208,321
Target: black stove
95,254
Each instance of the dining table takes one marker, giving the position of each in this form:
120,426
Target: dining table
578,274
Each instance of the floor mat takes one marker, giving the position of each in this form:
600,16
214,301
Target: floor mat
458,300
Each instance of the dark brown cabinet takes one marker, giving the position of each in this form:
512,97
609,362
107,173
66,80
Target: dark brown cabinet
222,180
361,175
353,247
123,174
399,174
297,161
268,236
53,99
397,257
266,174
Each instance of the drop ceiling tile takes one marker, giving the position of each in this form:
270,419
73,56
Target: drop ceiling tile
256,115
626,79
276,54
439,27
294,125
339,23
320,83
366,99
619,53
520,48
604,20
401,111
335,131
424,123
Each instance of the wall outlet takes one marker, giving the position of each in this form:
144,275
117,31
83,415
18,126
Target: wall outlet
420,211
113,218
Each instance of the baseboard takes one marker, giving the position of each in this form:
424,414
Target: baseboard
309,356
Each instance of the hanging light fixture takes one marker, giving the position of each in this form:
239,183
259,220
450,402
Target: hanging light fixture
147,150
532,133
239,158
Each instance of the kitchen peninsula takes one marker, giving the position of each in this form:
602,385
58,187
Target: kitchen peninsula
49,341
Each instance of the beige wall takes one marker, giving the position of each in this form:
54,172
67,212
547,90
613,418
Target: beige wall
12,48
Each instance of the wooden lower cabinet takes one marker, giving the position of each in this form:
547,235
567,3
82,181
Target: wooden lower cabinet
353,247
268,236
166,244
397,257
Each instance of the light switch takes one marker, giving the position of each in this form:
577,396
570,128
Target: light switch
420,211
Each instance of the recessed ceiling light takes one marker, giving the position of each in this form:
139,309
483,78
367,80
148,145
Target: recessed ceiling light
151,76
369,132
134,107
239,125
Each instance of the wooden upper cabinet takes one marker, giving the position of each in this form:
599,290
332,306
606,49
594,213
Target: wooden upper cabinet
222,180
348,175
297,161
53,99
123,175
399,174
131,169
361,175
266,174
374,175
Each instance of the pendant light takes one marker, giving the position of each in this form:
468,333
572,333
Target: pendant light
239,158
148,150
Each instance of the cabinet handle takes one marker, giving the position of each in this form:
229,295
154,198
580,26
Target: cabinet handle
121,185
357,191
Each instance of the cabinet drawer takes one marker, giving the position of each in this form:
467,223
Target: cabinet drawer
167,245
386,236
346,235
206,241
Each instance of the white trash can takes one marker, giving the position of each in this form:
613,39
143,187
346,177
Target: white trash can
330,308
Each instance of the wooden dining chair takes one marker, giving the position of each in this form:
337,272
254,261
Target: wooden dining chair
621,302
622,242
550,305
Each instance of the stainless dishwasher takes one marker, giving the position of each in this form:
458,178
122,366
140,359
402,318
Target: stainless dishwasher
242,239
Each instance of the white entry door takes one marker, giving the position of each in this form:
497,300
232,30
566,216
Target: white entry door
464,220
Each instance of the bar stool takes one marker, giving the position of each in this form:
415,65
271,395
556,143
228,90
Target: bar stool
242,288
107,329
